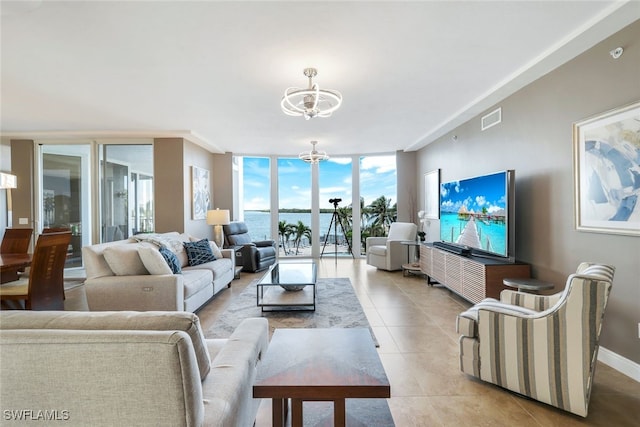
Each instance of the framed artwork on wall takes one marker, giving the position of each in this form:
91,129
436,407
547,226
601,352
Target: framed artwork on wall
607,172
432,194
200,193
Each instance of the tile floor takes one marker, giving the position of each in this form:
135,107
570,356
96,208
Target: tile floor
415,325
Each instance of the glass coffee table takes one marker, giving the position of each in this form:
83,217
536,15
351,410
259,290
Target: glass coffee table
288,287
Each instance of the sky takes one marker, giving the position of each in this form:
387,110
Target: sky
377,178
488,191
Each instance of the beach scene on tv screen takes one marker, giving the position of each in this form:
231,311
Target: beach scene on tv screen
473,212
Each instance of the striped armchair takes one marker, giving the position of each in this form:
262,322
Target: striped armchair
544,347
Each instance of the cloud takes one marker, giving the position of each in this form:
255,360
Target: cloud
341,160
379,164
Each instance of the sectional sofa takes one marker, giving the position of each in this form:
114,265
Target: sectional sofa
133,275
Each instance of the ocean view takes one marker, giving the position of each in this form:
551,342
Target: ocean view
258,223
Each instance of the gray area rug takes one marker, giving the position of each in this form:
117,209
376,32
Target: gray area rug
337,306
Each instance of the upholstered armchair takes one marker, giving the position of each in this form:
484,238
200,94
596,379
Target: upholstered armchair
543,347
387,253
252,255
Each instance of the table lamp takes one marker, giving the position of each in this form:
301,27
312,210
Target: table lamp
8,181
218,218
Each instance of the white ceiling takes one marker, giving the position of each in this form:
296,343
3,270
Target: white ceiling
215,71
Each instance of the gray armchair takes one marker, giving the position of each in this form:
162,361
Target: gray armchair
253,256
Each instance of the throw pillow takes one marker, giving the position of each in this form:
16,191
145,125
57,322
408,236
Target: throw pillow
216,250
171,240
214,247
124,260
153,261
199,252
171,259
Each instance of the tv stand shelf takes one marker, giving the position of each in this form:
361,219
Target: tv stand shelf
473,278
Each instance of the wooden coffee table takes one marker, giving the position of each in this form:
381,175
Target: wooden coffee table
319,365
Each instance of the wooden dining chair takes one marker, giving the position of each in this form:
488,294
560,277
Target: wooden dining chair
44,288
16,240
55,230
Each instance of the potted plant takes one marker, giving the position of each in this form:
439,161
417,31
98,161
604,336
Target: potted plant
421,233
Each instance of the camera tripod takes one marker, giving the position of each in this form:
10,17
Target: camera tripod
335,221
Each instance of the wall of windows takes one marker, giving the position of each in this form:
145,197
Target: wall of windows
364,186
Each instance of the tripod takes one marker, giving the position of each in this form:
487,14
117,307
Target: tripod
335,221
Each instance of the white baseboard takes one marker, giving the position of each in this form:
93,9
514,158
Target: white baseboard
619,363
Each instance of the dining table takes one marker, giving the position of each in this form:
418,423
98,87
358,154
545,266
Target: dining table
11,264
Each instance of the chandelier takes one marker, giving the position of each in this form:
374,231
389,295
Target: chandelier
313,156
312,101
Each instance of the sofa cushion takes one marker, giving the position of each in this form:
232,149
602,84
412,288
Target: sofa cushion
124,260
154,261
195,280
115,320
171,260
218,267
199,252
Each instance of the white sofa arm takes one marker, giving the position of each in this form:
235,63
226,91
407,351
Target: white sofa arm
137,293
229,253
375,241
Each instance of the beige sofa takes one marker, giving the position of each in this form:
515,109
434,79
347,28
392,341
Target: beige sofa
119,277
126,368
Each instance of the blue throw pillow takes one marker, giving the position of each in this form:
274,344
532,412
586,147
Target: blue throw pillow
199,252
171,259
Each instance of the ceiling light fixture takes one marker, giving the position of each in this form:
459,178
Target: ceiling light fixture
312,101
313,156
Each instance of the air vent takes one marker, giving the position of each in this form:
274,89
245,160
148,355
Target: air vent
491,119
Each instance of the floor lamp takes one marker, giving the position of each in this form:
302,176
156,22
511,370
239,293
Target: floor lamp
8,182
218,218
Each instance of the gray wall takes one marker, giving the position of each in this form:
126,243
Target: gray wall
173,160
535,139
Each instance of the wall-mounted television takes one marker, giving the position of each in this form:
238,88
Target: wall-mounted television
478,214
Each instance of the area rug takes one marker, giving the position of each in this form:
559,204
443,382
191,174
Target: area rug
337,306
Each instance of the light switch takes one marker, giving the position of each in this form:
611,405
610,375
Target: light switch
23,221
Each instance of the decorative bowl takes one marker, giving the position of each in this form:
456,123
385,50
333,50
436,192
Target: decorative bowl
292,288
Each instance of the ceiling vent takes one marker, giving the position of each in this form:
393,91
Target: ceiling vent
491,119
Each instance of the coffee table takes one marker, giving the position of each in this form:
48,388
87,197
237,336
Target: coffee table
288,287
319,365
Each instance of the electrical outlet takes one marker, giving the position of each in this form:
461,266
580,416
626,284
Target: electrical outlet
23,221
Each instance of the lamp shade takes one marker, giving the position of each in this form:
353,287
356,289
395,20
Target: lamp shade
8,181
218,217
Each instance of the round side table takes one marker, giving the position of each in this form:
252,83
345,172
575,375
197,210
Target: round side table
411,268
527,284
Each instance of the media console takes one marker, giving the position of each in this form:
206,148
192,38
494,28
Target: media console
473,278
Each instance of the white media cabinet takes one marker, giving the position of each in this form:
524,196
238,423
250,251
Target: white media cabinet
473,278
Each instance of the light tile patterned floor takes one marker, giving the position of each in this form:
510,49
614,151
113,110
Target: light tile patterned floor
415,325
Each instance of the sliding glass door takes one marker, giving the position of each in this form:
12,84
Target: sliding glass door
99,201
65,197
127,191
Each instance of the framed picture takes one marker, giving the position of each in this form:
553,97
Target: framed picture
201,195
607,172
432,194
